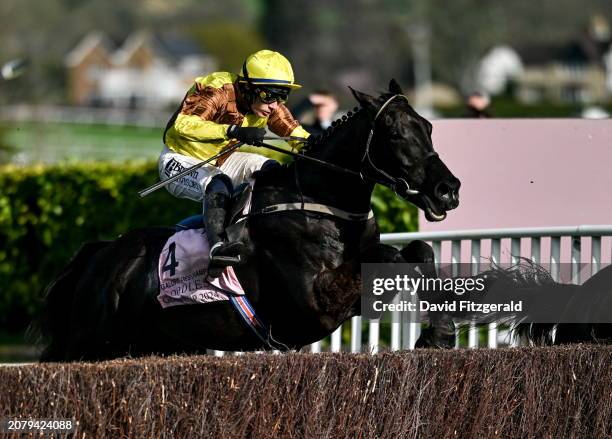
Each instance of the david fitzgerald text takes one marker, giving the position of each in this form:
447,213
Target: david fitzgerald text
465,306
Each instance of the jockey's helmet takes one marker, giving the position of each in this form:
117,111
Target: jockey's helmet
268,75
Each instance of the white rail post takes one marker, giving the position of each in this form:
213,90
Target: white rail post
555,256
515,251
475,262
455,260
396,327
495,259
336,340
536,250
356,334
595,254
576,246
373,336
437,249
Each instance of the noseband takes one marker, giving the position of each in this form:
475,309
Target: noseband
399,185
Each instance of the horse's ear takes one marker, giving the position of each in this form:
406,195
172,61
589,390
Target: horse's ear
366,101
395,88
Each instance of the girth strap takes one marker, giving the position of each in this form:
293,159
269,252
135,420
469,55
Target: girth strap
314,207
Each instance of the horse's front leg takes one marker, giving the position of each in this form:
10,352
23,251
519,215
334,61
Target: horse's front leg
338,290
440,333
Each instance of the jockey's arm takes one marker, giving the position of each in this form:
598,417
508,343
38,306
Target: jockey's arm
195,128
194,120
282,123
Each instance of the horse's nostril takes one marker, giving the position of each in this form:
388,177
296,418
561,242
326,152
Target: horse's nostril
443,191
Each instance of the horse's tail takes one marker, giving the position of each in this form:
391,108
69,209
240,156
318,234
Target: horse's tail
51,327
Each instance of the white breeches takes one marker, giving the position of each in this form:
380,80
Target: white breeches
239,167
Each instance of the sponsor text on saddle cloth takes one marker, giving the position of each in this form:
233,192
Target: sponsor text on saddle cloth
182,268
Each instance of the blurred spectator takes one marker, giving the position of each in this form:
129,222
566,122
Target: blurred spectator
318,111
477,105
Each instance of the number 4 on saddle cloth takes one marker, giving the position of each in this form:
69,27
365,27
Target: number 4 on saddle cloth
183,267
183,262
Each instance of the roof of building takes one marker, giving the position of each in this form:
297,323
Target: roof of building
168,45
177,46
88,43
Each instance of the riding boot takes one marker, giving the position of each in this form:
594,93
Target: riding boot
216,203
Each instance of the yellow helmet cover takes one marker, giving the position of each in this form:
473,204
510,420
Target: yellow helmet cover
267,67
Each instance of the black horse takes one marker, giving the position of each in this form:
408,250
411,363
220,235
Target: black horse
302,270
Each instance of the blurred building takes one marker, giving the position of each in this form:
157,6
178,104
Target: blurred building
578,71
146,71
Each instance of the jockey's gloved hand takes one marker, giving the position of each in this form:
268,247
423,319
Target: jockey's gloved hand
248,135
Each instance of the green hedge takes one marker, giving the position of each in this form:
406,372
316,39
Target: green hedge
46,212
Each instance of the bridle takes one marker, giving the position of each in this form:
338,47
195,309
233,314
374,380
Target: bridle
399,185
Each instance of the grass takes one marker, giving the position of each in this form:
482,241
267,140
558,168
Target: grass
58,142
51,143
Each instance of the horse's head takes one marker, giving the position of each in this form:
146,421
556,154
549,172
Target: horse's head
401,154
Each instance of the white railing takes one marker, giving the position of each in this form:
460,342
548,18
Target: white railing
556,244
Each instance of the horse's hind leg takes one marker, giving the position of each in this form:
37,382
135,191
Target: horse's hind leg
440,333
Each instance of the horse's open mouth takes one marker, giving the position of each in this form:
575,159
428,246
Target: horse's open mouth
431,211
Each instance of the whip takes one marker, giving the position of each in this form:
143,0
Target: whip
156,186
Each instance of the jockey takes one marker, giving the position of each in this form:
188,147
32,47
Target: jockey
217,111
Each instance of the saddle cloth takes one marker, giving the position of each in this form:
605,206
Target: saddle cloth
182,269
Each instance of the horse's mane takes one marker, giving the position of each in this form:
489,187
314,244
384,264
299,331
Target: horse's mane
275,175
322,140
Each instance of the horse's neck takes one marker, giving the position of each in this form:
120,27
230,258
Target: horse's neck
344,147
344,144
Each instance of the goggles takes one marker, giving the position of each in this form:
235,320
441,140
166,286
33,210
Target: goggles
269,95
